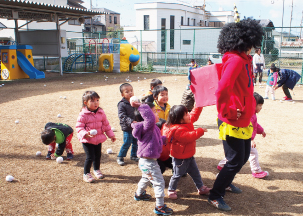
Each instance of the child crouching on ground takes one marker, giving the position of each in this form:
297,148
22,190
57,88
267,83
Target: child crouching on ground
182,135
61,134
150,144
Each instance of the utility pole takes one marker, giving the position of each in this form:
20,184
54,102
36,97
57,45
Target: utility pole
292,5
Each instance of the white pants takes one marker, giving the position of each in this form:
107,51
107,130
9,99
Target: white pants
272,91
253,159
151,173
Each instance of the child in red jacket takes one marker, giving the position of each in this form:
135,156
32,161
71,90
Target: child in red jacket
235,102
182,136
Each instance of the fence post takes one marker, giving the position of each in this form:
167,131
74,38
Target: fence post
194,42
141,48
165,49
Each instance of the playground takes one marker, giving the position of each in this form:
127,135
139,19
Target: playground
44,187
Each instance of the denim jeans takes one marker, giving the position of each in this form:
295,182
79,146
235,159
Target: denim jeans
128,139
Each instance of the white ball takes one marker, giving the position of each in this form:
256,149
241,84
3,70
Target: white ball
81,83
9,178
44,85
105,79
3,84
281,101
59,159
267,173
144,78
138,77
134,99
293,102
109,151
64,97
175,79
17,121
93,132
59,115
72,82
114,129
38,153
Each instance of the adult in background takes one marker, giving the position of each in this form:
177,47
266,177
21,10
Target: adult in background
235,103
288,80
259,65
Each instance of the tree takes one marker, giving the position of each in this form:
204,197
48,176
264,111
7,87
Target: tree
115,32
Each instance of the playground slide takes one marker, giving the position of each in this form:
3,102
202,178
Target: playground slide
28,68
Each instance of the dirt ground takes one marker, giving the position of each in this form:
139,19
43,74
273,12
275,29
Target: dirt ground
44,187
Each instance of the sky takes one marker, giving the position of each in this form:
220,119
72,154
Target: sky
258,9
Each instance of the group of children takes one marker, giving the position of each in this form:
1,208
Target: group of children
162,136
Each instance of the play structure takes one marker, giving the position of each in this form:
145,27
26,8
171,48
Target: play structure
17,63
112,55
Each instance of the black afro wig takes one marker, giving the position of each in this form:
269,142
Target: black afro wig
240,36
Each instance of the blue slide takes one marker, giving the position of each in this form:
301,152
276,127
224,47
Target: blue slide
28,68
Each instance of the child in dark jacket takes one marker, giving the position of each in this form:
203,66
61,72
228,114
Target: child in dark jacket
61,134
150,144
182,136
148,97
126,115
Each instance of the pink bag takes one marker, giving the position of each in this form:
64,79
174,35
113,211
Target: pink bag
204,83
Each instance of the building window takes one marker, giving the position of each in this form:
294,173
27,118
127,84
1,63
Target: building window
163,39
205,23
186,42
146,22
188,21
194,22
181,20
172,32
201,23
115,20
110,19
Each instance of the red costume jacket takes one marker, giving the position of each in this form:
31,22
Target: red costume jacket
236,89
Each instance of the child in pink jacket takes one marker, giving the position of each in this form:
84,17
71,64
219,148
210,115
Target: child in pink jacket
91,126
253,158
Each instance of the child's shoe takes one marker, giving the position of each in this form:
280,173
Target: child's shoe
219,204
204,190
232,188
144,196
136,159
88,178
219,167
172,194
262,174
120,161
49,155
69,156
98,174
163,210
288,99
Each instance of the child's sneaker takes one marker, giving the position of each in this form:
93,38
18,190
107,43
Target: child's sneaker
204,190
88,178
136,159
219,168
120,161
288,99
98,174
163,210
262,174
49,155
219,204
172,194
232,188
69,156
144,196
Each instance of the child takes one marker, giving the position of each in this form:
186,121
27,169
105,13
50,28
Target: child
288,80
192,65
188,99
209,62
126,115
148,97
92,117
150,144
61,134
235,102
253,158
271,82
182,136
160,94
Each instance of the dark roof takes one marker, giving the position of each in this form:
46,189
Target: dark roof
105,10
37,11
75,3
266,23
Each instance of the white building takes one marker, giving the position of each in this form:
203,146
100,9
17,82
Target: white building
188,28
